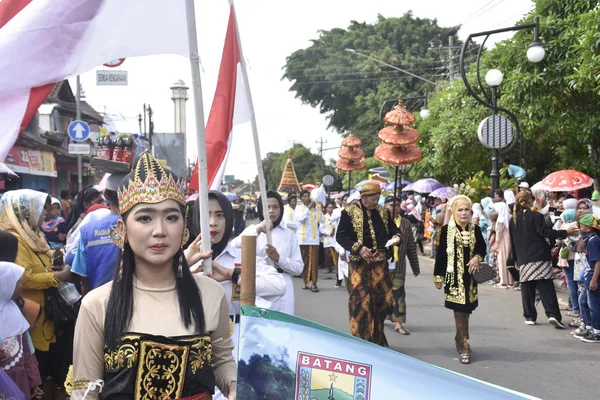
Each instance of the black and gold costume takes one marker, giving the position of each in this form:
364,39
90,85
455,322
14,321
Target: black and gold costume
368,282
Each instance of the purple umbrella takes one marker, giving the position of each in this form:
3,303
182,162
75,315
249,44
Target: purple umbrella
426,185
444,193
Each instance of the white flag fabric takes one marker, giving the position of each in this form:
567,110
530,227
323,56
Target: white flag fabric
286,357
46,41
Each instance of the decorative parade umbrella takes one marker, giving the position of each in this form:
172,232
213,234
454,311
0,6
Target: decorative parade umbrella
392,185
426,185
398,140
352,158
289,180
230,196
447,192
566,180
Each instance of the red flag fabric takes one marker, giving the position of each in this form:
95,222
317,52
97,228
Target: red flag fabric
229,107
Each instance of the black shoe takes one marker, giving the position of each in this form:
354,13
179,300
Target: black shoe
556,323
314,288
591,338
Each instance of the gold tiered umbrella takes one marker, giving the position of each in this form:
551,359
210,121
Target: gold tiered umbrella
352,158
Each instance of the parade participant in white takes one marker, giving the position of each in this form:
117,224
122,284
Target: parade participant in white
309,218
327,231
289,213
284,252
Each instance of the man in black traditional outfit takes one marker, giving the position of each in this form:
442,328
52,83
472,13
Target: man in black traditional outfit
367,231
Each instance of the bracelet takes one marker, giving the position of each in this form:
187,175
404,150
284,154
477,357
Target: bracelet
479,258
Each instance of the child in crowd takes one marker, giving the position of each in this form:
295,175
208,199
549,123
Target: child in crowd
55,227
16,349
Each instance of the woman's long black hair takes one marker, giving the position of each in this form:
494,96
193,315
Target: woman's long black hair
271,195
120,303
217,248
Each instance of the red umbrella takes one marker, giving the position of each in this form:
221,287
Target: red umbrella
394,136
351,141
399,116
398,155
344,165
566,181
351,154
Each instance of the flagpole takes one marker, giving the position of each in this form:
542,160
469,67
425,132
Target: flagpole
261,175
200,132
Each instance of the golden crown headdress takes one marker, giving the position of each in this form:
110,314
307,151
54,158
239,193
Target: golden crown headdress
149,183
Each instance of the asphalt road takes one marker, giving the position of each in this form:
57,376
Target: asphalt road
539,360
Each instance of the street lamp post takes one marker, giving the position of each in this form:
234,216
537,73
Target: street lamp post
502,133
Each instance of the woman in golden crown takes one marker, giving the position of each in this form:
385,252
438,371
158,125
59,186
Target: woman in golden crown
156,331
462,247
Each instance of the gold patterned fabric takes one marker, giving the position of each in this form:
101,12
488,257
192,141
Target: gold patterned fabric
151,367
364,228
454,253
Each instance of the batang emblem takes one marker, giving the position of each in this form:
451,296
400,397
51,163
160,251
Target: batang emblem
325,378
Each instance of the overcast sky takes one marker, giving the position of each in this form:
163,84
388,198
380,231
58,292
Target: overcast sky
271,30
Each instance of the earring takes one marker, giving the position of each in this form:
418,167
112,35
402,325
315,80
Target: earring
185,237
117,239
179,273
120,274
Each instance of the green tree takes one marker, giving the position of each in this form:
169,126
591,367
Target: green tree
556,101
309,167
350,89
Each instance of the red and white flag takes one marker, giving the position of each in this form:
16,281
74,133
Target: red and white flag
43,42
230,107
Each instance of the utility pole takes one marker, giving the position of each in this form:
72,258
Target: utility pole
321,142
78,118
140,122
144,119
150,128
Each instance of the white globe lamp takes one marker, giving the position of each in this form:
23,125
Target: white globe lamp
494,77
536,52
425,113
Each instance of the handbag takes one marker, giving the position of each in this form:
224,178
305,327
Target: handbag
485,273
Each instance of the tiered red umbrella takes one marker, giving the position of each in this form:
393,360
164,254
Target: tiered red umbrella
352,158
397,146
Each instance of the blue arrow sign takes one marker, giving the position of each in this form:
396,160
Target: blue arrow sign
79,130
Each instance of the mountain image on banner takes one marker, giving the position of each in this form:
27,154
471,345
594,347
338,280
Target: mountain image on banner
289,358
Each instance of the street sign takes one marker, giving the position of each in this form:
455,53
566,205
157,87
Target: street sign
79,130
114,63
79,148
495,132
111,78
328,180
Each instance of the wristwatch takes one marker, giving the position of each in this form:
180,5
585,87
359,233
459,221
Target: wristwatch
235,276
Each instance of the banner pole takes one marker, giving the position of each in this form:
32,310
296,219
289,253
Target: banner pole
200,132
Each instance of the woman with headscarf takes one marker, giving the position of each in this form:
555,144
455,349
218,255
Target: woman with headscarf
461,250
270,285
533,259
283,253
16,351
22,212
501,246
155,331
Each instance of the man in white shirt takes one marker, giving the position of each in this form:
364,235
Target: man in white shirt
289,212
309,218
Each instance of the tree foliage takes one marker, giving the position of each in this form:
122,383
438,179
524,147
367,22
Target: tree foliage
309,167
556,101
263,378
349,88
